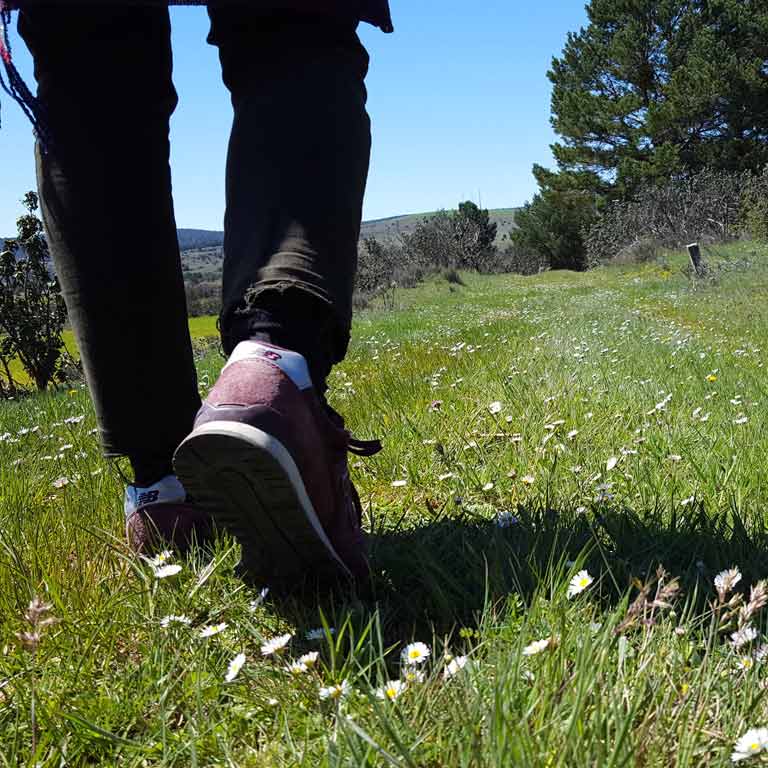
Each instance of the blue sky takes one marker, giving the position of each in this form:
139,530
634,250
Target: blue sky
458,96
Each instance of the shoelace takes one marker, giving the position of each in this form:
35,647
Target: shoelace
364,447
358,447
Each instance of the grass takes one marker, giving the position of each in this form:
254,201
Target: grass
617,417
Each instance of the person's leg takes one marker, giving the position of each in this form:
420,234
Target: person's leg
296,174
104,78
267,456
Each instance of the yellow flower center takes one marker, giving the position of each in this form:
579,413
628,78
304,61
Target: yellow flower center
391,693
414,654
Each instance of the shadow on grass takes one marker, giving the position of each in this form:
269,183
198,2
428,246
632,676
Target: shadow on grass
438,577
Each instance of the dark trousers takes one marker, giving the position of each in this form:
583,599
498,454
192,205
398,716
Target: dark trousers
295,177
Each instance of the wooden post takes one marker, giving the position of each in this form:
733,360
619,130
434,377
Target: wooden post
699,267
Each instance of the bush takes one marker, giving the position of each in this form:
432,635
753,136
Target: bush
552,227
705,207
754,211
32,311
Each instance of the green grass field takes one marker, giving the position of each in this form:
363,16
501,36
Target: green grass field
613,422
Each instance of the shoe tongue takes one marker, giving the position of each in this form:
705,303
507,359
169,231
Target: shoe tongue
169,490
292,364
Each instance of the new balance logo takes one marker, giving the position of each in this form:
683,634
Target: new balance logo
148,497
271,355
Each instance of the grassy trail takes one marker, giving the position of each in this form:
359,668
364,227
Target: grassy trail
613,422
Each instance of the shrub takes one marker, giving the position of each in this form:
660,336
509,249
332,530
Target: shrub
704,207
32,311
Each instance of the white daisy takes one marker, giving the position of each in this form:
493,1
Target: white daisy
308,659
233,670
753,742
415,653
213,629
745,663
743,636
537,646
488,487
579,583
528,479
495,407
164,571
275,644
399,483
391,690
611,463
161,558
297,668
60,482
741,420
335,692
166,621
413,675
454,666
725,581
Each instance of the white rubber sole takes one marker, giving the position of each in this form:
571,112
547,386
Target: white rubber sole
248,482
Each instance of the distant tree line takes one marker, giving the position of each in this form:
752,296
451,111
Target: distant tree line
651,94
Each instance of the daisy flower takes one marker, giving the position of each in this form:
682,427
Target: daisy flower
753,742
399,483
161,558
579,583
275,644
233,670
611,463
745,663
495,407
297,668
537,646
528,480
725,581
415,653
308,659
213,629
413,675
335,692
454,666
60,482
166,621
743,636
164,571
391,690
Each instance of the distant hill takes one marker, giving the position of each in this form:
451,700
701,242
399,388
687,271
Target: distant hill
390,227
203,255
199,238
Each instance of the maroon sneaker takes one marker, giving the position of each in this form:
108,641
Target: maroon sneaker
268,459
160,516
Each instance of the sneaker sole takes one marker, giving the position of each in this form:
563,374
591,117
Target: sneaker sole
250,485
